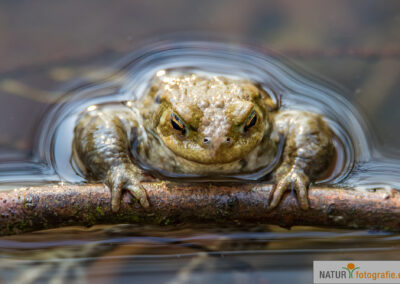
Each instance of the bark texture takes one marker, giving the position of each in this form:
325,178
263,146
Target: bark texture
36,208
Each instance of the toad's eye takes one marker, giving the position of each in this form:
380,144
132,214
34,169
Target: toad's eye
177,123
251,121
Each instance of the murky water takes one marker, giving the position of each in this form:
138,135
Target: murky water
196,254
125,253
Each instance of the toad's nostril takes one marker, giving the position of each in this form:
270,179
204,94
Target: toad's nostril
206,140
228,140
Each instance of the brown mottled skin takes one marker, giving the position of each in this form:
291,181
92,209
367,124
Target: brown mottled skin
203,126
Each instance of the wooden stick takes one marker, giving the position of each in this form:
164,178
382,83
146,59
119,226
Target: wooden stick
36,208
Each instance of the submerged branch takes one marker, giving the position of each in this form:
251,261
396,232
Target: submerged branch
37,208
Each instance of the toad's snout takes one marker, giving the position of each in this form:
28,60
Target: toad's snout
215,143
208,141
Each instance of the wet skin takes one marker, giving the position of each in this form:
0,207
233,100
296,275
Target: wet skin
201,126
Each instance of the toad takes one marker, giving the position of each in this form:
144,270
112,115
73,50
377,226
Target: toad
201,126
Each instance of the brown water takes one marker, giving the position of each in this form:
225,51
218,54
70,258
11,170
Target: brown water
56,59
126,253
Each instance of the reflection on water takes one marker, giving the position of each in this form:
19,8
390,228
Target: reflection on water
190,255
184,255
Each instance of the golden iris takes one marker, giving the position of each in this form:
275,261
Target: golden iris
251,121
177,123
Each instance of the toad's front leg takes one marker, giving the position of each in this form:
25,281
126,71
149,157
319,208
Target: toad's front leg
102,144
308,152
125,177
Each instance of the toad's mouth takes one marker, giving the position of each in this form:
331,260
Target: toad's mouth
257,174
225,154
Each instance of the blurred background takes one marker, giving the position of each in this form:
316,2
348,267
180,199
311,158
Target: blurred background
45,45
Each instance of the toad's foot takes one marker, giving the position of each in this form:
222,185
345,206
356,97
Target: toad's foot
126,177
296,180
